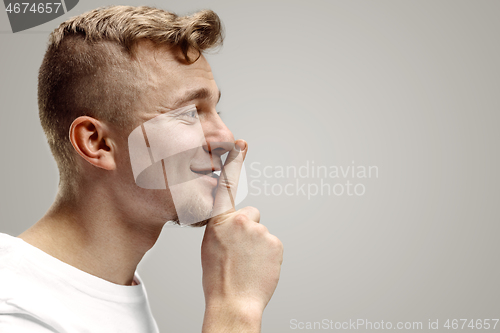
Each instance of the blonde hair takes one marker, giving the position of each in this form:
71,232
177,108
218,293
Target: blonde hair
88,68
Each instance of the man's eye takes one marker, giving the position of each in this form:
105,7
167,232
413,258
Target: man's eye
191,114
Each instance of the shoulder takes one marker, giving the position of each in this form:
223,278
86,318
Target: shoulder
17,286
17,278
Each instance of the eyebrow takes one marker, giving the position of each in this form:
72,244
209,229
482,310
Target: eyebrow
202,93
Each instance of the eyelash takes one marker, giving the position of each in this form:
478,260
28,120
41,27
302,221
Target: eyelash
195,112
186,114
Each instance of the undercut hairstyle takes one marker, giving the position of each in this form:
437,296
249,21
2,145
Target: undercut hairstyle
89,67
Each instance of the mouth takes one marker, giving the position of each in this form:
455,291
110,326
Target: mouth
208,172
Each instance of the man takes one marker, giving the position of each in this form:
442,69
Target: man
106,73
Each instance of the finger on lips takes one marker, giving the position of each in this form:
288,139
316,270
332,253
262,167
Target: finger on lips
228,180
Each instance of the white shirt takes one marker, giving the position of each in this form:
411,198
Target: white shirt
39,293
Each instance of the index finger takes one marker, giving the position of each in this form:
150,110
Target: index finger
228,180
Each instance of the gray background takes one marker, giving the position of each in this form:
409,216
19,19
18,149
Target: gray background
409,86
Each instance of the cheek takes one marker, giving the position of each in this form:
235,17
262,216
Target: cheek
175,139
171,142
187,137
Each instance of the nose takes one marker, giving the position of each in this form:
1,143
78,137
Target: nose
219,138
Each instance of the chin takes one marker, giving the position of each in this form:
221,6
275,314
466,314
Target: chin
193,204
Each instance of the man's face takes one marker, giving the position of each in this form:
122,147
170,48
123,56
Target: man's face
192,141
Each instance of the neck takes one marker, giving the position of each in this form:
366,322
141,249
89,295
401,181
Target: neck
93,236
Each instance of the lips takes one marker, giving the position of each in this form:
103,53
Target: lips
206,169
208,173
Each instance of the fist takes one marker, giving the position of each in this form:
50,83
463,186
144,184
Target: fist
241,260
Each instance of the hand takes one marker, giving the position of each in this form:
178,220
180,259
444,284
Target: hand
241,260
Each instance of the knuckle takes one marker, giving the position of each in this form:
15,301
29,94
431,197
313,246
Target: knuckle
226,183
276,242
240,219
253,210
261,229
252,213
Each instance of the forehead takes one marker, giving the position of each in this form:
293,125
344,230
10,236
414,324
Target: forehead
167,77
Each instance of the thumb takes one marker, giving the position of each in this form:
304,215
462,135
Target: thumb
228,180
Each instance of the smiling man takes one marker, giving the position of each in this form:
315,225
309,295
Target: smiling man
111,78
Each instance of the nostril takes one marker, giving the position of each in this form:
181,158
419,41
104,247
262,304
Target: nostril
219,151
218,148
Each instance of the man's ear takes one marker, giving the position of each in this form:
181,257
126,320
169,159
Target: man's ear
91,139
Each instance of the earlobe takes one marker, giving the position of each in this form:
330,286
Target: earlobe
91,140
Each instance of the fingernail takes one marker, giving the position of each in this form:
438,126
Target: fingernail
241,145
